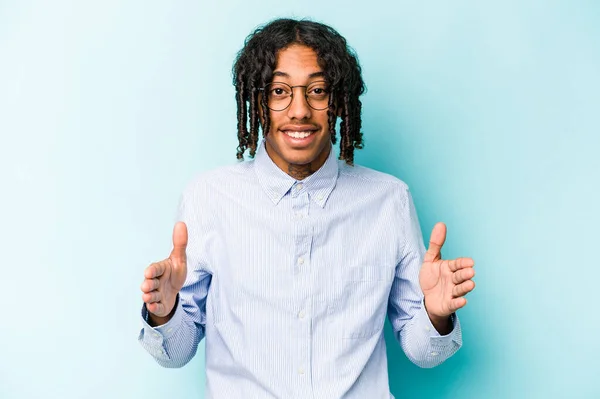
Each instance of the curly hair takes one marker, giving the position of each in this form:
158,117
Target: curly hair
254,66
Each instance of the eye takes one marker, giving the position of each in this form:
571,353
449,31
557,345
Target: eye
318,91
278,90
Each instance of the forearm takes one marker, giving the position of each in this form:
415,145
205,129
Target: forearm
423,344
174,343
154,320
443,325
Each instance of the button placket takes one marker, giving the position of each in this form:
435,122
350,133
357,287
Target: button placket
304,343
302,231
302,275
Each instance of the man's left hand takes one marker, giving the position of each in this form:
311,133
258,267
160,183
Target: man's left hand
444,282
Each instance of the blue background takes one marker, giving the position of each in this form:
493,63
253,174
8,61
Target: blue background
488,110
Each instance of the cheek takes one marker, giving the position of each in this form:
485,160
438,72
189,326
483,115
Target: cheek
275,119
324,121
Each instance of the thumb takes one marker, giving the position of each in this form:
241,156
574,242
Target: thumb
180,239
438,237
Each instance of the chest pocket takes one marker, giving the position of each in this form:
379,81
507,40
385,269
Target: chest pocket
365,296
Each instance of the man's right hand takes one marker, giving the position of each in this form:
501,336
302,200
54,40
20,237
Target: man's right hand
164,279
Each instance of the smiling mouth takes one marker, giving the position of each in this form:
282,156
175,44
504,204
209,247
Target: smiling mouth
298,135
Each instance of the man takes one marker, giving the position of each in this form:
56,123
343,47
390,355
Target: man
288,263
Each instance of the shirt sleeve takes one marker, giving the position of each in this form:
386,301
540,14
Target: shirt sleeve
175,343
413,329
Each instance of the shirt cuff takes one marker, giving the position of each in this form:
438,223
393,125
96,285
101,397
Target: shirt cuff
165,331
438,340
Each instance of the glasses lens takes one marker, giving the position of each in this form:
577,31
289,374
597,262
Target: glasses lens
279,96
317,94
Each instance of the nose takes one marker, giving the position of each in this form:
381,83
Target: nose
299,108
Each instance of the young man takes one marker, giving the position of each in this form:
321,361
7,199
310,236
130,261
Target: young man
288,264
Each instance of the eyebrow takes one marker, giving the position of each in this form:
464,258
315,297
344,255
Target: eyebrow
285,75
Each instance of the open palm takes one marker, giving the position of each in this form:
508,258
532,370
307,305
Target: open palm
444,282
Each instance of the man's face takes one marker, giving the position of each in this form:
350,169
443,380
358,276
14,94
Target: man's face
287,142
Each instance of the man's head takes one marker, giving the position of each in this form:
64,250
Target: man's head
294,78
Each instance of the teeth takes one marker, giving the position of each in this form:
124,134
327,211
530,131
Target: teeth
298,135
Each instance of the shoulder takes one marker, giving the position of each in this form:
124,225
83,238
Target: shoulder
209,181
371,178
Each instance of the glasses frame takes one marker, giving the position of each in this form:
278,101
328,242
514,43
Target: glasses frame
264,89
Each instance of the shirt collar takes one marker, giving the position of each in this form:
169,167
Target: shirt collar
276,183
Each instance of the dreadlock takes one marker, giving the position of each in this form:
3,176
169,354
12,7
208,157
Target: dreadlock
253,69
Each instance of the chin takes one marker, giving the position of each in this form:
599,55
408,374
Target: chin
286,151
299,160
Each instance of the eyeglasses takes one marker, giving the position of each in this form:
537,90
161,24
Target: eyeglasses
279,95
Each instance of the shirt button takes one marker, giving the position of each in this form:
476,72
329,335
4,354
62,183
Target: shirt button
299,186
301,370
427,328
434,353
301,314
157,335
320,197
300,261
169,330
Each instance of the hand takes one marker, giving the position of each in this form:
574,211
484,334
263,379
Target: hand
164,279
444,282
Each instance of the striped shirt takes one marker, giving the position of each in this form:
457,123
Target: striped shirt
289,282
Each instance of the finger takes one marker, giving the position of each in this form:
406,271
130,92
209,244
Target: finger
457,303
463,289
151,297
460,263
438,237
155,270
150,285
463,275
180,239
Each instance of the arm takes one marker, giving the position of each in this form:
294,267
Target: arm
175,343
414,330
172,337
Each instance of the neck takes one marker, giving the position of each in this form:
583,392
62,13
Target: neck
300,172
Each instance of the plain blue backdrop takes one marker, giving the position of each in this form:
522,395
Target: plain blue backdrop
488,110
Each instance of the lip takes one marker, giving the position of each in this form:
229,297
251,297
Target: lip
298,128
301,142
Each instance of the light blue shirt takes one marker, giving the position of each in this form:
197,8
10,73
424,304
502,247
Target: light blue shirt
289,282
